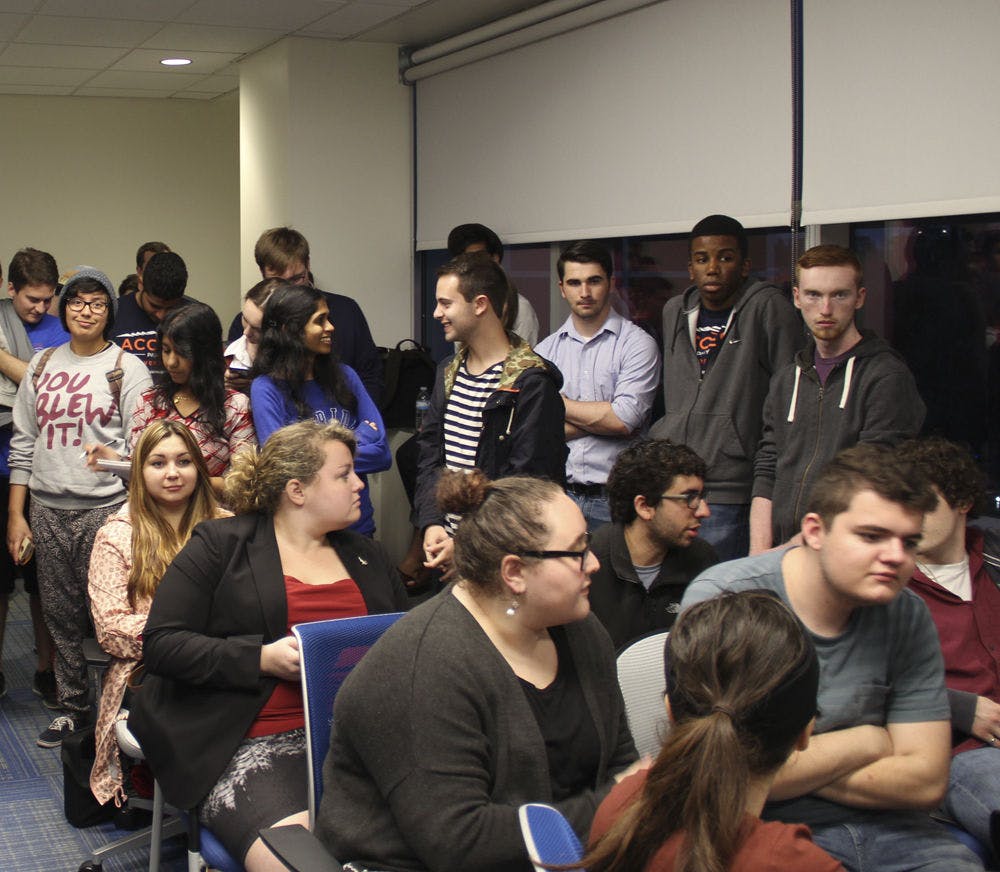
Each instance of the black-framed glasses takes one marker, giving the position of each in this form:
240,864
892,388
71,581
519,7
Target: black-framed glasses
551,555
692,499
98,307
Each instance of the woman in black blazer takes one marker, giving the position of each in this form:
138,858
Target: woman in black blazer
219,715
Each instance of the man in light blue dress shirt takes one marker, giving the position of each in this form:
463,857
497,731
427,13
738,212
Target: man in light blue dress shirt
611,370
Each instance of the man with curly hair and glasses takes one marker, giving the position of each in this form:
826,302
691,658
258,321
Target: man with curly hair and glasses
651,549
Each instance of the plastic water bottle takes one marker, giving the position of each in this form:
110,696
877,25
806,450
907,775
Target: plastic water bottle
422,405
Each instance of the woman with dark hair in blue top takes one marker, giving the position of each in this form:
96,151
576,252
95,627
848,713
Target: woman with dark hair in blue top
297,376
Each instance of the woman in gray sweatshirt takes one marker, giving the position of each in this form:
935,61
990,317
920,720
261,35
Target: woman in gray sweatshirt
73,397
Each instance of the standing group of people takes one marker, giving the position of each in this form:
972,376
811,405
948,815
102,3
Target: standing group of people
566,533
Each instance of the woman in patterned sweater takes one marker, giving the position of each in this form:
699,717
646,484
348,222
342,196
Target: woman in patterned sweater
169,493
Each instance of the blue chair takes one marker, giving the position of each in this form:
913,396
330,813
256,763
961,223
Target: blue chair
328,651
549,838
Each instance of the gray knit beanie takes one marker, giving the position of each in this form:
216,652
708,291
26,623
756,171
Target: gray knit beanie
88,272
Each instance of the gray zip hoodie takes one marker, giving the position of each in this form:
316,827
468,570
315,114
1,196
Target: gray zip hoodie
870,397
718,414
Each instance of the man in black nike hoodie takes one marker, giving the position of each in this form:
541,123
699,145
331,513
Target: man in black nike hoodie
723,339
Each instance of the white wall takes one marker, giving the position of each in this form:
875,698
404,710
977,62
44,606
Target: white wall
326,147
90,178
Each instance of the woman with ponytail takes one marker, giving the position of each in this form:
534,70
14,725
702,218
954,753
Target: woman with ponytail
220,714
741,695
498,691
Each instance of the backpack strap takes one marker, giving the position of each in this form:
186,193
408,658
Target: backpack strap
115,378
43,362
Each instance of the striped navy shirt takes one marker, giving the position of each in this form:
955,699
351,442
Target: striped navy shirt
463,420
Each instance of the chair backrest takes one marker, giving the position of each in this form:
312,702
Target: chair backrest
640,676
328,651
548,836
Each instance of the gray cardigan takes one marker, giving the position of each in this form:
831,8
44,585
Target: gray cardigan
435,746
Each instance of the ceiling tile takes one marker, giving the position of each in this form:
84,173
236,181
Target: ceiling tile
288,15
205,37
352,19
10,24
42,76
135,10
440,19
71,56
194,95
57,30
215,84
26,6
41,90
172,81
88,91
202,62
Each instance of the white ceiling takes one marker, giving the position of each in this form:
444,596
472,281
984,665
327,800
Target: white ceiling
113,48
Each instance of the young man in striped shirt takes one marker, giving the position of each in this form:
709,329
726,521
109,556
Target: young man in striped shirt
496,404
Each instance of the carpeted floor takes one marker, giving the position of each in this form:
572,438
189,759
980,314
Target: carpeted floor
34,833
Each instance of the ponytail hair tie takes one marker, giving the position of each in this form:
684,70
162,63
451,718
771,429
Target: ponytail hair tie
724,709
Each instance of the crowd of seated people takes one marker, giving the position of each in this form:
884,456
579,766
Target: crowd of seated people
244,510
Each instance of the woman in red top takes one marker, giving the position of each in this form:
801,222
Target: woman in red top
741,694
220,715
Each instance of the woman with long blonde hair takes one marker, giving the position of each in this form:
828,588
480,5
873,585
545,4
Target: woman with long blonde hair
169,493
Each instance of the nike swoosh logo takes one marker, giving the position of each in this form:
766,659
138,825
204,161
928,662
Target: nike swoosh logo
734,341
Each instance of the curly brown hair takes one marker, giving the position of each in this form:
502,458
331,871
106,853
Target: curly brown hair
951,468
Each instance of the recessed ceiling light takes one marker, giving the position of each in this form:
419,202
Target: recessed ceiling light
175,62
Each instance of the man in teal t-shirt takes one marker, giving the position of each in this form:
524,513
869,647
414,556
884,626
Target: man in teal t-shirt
878,760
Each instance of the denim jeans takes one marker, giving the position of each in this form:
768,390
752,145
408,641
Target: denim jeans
596,511
727,529
896,842
974,790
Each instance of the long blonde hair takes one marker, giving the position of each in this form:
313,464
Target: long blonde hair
155,542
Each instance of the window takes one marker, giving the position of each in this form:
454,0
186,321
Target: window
934,294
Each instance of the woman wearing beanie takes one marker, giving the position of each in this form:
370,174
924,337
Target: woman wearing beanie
73,398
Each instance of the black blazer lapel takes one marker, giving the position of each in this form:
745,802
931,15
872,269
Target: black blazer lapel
268,579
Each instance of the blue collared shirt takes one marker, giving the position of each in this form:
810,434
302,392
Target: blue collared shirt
619,364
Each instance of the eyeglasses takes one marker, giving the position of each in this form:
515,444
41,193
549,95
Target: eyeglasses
551,555
98,307
693,499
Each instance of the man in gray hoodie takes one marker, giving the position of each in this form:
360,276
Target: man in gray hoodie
723,339
846,386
